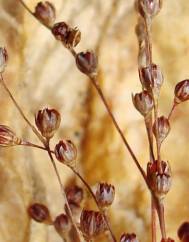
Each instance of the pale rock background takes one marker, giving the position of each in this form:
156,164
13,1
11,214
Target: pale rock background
42,73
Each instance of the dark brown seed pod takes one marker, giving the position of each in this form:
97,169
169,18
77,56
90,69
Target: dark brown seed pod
148,8
45,12
87,62
48,121
160,183
183,230
182,91
62,224
167,240
92,223
3,59
74,38
74,194
66,152
105,194
128,238
163,128
39,213
8,137
143,102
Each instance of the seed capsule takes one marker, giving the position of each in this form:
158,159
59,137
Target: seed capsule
143,102
8,137
128,238
39,213
92,223
160,183
47,121
183,230
3,59
74,194
163,128
105,194
66,152
167,240
62,224
182,91
45,12
87,62
148,8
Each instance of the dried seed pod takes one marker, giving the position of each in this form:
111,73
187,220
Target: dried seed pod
62,224
8,137
92,223
39,213
74,194
45,12
3,59
143,102
66,152
70,37
47,121
182,91
128,238
105,194
160,183
183,230
163,128
148,8
185,238
167,240
87,62
151,78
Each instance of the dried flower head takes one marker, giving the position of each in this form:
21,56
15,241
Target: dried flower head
74,194
39,213
160,183
8,137
182,91
70,37
47,121
151,78
148,8
87,62
92,223
183,230
62,224
45,12
163,128
105,194
143,102
128,238
66,152
167,240
3,59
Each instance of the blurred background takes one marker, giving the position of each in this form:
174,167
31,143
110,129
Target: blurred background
41,73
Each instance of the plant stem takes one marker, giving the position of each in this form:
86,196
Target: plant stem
172,109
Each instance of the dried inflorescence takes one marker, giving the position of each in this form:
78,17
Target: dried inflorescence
128,238
62,224
74,194
105,194
148,8
40,213
163,128
8,137
182,91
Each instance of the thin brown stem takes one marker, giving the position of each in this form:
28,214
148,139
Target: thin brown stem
153,220
172,109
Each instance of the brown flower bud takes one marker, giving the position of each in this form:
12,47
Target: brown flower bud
163,128
143,102
105,194
8,137
62,224
66,152
47,121
45,12
160,183
182,91
148,8
92,223
70,37
183,231
167,240
39,213
151,78
128,238
3,59
74,194
87,62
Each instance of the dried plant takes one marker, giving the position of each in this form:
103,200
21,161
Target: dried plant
158,175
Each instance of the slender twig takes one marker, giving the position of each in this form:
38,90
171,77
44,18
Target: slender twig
172,109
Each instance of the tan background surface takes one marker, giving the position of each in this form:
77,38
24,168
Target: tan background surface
42,73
